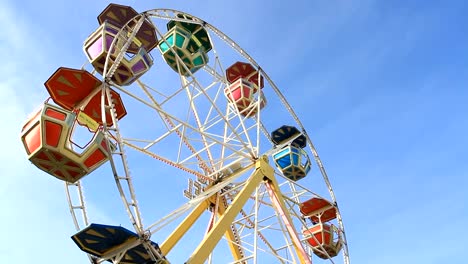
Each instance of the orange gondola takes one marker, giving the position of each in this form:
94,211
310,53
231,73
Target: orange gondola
46,138
318,210
324,239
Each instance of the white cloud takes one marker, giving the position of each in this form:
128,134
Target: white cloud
35,214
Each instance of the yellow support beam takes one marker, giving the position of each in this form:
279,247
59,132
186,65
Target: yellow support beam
188,222
183,227
207,245
230,236
263,172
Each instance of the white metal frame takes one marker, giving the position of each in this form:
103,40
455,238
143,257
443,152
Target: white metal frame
203,153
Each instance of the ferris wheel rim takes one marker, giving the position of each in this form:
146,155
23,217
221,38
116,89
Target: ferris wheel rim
244,54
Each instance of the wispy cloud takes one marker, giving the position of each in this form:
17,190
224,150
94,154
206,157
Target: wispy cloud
35,211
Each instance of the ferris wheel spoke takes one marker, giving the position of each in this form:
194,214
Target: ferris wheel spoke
230,137
222,80
210,116
179,91
206,148
149,90
221,118
211,102
167,161
304,190
175,129
199,124
218,77
188,126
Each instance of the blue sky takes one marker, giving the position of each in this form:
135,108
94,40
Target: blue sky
380,87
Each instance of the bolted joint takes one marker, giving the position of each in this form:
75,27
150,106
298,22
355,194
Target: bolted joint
264,167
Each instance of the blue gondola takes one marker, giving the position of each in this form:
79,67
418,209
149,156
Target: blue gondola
293,162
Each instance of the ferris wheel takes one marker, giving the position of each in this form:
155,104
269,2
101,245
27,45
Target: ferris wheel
169,89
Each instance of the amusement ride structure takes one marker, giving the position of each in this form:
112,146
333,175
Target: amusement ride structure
200,108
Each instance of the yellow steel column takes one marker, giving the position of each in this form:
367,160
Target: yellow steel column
187,223
207,245
183,227
231,238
